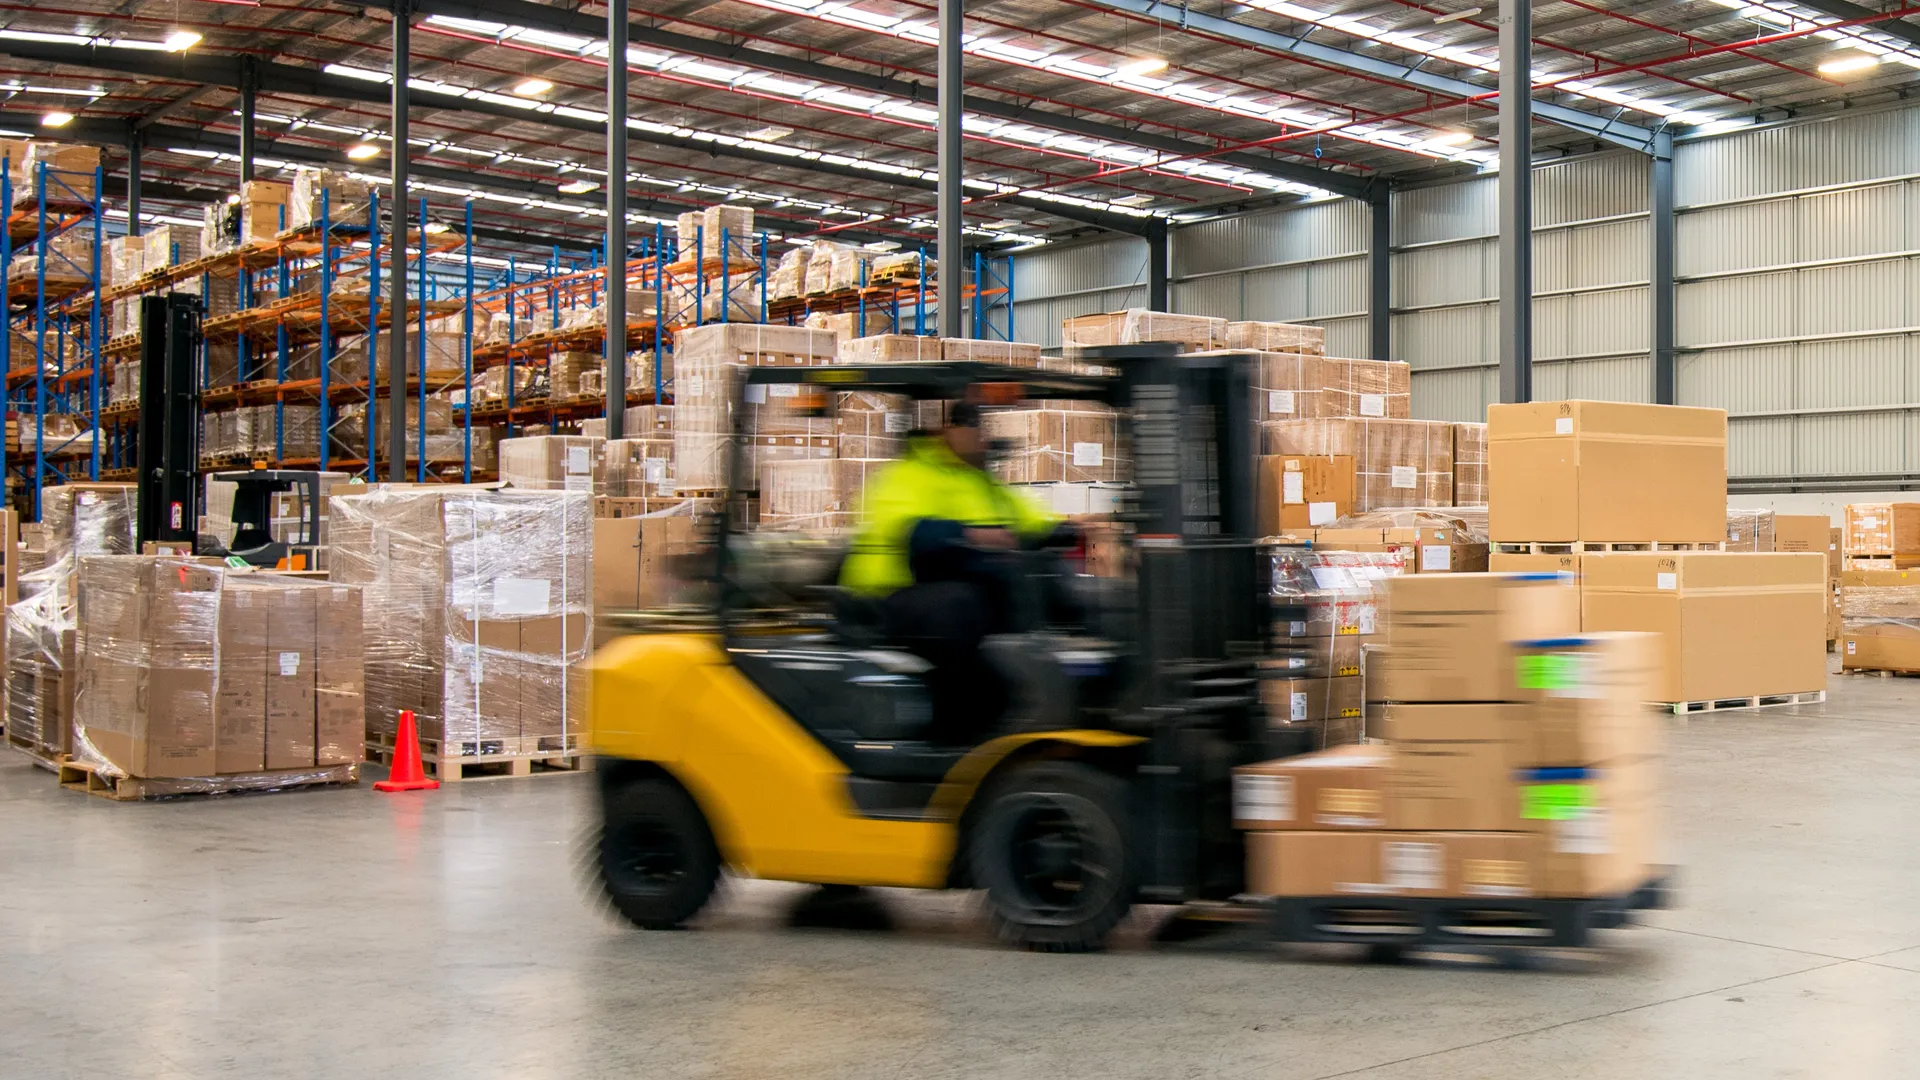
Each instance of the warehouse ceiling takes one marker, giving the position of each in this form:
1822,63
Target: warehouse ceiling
1081,113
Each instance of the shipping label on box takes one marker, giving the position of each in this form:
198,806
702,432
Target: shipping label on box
1331,864
1339,788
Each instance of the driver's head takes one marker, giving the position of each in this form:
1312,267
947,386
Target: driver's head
962,434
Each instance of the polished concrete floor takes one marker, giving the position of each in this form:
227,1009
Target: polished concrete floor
344,933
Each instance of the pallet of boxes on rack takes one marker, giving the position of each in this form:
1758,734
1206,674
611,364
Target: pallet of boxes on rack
1633,499
1513,768
477,609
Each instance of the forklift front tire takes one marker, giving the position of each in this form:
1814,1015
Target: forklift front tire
1051,849
659,864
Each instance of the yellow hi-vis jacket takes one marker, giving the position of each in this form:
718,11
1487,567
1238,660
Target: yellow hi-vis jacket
929,481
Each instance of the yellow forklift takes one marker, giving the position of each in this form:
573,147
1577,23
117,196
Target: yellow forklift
788,739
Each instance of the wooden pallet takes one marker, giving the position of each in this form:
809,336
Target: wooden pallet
81,776
38,753
1882,562
1595,547
1884,673
1761,701
490,759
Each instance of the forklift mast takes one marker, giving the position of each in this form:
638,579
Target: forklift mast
166,457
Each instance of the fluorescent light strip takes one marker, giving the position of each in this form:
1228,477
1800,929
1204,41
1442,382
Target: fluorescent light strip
883,108
1790,17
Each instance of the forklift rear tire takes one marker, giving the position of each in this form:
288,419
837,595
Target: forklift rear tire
1052,851
659,864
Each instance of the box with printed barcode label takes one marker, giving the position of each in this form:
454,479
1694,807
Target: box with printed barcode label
1389,864
1339,788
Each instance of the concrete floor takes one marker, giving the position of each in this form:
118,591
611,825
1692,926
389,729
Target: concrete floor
345,933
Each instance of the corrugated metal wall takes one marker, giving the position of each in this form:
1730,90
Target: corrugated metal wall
1796,259
1590,283
1060,281
1304,263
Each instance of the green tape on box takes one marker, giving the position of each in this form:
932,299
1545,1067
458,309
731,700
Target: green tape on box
1554,802
1548,672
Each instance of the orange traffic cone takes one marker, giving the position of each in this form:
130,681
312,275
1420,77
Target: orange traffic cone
407,774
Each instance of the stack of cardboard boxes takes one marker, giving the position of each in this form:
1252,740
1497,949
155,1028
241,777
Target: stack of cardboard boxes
1632,498
1879,596
1326,618
1518,759
708,360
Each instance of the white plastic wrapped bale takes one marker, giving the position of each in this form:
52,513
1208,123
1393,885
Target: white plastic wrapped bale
707,360
789,277
1043,446
79,520
169,245
343,198
478,604
40,673
1136,325
1396,463
126,259
814,495
550,462
833,267
1277,337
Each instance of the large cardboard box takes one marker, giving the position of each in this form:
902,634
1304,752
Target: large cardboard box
146,653
240,703
1597,826
1732,624
1451,637
1880,646
1454,786
1801,532
1340,788
1890,528
1327,864
1135,325
1396,463
291,660
339,680
1561,471
1432,545
1501,562
1305,701
1302,492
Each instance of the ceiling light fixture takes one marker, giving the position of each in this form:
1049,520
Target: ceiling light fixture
362,151
1848,63
1452,138
532,87
770,133
181,40
1146,65
56,118
1133,200
578,187
1456,16
884,245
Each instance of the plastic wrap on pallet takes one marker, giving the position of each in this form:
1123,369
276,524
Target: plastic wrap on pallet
635,468
126,259
1286,386
1328,614
1136,325
1471,527
70,170
1045,445
708,227
1021,354
1374,389
1749,530
550,462
742,304
1277,337
642,422
1397,463
196,673
564,370
871,425
866,322
219,227
344,198
477,604
169,245
789,278
40,672
833,267
813,494
80,520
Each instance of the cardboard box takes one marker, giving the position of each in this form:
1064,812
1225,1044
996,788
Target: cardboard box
1836,551
1377,389
1586,699
1597,827
339,683
1733,624
1451,636
1048,445
1302,492
1454,786
1432,547
1606,471
550,462
1890,528
1303,701
1393,864
1135,325
1879,647
1508,563
1469,464
1340,788
240,702
290,675
1286,386
146,655
1801,532
1396,463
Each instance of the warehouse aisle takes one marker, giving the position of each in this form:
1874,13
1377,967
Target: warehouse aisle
340,933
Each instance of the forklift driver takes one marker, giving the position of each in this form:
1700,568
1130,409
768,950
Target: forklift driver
936,550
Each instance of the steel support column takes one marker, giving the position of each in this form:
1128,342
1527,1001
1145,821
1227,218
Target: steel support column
617,219
134,143
249,80
397,244
949,70
1516,200
1159,265
1380,275
1660,201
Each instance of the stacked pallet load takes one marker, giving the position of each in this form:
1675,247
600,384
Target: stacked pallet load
1326,608
195,678
708,360
76,521
477,604
1880,621
859,323
1517,763
1881,536
1194,333
1435,541
1632,498
1469,465
551,462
